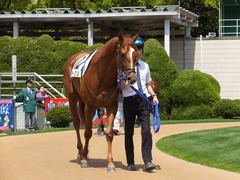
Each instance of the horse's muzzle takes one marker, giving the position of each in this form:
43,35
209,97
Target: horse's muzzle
131,79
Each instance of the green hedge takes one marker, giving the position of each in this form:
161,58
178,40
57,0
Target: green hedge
42,54
192,112
227,108
193,87
194,90
59,116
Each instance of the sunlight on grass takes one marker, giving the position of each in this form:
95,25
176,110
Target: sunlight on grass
219,148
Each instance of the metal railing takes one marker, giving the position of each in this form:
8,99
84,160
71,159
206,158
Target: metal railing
38,80
229,27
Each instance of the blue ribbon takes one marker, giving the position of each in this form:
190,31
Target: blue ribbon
156,117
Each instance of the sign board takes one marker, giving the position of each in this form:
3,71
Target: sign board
6,114
14,68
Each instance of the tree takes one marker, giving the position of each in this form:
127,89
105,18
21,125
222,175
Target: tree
9,5
206,9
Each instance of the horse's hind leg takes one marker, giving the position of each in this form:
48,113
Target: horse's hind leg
73,103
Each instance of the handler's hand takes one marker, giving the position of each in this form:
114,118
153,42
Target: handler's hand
155,99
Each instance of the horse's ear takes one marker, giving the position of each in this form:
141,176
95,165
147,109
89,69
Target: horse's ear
120,37
134,38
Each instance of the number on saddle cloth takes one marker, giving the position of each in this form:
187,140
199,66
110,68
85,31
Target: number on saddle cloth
80,67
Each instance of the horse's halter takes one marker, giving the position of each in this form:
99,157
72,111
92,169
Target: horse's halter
123,70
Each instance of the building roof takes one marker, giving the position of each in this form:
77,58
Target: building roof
128,18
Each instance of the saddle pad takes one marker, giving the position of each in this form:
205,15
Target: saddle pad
81,65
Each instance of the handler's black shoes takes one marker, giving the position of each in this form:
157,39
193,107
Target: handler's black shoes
100,133
131,167
150,166
115,131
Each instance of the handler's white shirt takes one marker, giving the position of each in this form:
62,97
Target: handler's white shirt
145,78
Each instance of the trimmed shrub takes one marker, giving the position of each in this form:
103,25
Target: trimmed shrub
226,108
59,116
163,70
192,112
7,48
191,91
42,54
93,47
193,87
237,102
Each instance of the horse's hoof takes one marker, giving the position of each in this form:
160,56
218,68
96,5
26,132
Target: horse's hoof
79,158
84,164
111,169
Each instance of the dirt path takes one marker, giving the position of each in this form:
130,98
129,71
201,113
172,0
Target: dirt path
52,156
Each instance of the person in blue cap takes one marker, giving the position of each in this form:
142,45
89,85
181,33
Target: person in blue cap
28,95
134,105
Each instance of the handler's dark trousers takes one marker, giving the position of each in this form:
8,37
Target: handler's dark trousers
133,106
29,120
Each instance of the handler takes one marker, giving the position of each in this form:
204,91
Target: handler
28,95
134,105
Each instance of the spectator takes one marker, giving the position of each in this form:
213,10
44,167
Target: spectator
41,95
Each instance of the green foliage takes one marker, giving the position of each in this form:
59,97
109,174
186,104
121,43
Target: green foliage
192,91
237,103
192,112
15,4
193,87
42,55
93,47
59,116
227,108
7,48
208,11
163,70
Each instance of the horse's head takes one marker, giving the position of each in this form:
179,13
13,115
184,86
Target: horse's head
127,57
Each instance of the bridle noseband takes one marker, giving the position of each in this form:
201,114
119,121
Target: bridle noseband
123,70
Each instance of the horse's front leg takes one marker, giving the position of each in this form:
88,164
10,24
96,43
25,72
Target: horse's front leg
89,113
109,137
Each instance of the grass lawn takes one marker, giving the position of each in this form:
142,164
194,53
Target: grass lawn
7,133
237,119
219,148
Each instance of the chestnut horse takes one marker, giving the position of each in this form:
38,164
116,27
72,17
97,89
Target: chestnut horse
98,88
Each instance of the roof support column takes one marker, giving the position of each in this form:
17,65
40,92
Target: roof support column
167,36
188,32
57,34
15,29
90,32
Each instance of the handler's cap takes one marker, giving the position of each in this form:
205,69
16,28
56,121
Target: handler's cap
29,81
139,42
